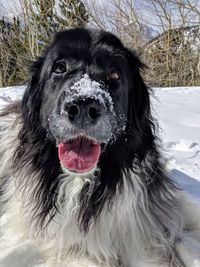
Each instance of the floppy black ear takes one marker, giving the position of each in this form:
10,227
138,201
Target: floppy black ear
31,105
141,125
35,154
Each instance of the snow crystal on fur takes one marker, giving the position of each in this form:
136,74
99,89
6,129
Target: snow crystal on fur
87,88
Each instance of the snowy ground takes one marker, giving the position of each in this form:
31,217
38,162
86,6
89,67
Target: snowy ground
7,94
178,113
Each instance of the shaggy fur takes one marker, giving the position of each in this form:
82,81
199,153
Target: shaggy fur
127,212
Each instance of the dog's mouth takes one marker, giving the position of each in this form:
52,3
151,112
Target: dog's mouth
80,154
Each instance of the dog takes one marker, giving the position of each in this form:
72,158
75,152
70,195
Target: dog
81,173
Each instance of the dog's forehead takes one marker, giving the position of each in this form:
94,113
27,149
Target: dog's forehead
84,44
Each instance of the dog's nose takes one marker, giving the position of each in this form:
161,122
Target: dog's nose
82,112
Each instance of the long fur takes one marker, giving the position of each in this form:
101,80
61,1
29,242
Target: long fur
128,213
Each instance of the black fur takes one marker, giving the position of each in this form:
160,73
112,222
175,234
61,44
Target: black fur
134,149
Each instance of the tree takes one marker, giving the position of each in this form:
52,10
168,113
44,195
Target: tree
11,68
72,14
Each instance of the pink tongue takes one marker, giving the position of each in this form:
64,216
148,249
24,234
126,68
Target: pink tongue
80,155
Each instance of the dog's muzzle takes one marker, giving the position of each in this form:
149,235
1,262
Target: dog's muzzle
87,111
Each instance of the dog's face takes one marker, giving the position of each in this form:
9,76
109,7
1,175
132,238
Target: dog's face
86,107
85,99
86,81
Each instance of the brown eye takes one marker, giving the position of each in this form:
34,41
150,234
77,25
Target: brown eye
113,76
59,68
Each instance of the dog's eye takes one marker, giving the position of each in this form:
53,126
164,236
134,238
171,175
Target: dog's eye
59,67
113,75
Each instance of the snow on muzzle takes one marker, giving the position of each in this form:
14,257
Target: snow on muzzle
89,89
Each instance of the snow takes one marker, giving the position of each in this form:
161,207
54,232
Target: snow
7,94
86,88
178,113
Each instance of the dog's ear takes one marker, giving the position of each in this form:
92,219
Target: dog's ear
31,102
139,93
141,125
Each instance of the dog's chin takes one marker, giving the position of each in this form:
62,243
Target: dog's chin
80,174
79,155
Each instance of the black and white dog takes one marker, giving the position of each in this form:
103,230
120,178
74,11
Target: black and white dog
80,170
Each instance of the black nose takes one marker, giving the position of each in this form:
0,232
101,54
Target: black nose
82,112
